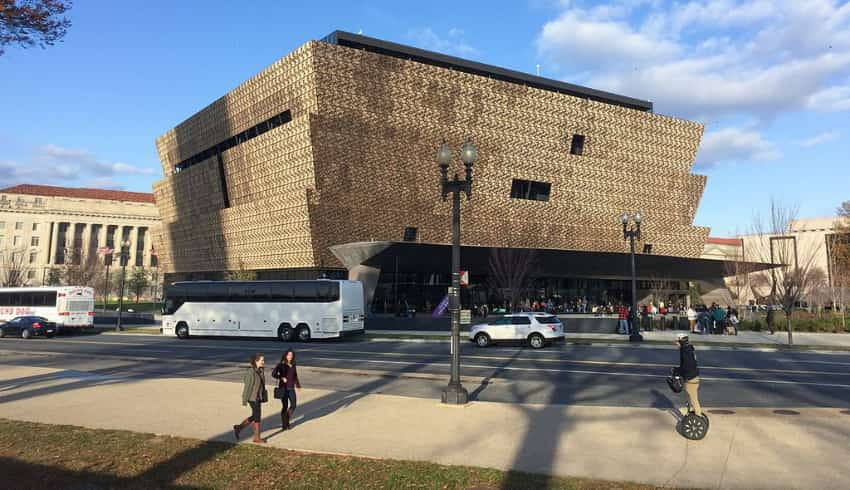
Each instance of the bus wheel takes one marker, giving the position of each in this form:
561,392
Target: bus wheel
286,333
303,333
182,331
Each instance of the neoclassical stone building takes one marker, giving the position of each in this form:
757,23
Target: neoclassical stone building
323,163
52,226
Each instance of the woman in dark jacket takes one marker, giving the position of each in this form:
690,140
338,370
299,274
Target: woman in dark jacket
287,375
254,394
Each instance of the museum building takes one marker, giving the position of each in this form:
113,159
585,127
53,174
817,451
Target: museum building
323,165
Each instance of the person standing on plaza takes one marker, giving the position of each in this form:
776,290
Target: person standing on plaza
689,371
287,375
770,318
623,313
718,315
254,394
692,318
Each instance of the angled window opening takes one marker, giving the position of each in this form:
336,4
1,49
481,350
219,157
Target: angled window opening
531,190
577,145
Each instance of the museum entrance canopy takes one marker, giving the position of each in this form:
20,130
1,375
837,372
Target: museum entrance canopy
387,255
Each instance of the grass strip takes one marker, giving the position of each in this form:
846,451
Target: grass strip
34,455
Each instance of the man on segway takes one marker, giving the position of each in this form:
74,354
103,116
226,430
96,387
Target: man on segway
689,371
694,423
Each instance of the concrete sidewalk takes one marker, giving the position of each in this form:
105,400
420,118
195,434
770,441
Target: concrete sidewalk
753,448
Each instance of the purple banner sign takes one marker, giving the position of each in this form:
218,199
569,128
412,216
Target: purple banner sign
441,308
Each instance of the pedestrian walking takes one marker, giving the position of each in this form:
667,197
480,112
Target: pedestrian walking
770,318
287,375
689,372
254,394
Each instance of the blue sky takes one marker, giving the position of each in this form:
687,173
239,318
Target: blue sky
770,79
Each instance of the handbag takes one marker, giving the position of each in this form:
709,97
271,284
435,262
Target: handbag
278,392
675,382
264,395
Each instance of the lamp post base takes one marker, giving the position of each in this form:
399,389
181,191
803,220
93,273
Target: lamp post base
635,337
455,395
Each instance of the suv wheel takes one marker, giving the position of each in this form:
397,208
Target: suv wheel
536,341
2,333
482,340
25,333
182,331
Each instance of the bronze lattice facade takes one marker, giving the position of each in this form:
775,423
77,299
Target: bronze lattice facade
333,144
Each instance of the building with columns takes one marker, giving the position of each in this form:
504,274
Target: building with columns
54,226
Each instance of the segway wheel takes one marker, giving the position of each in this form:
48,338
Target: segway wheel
695,427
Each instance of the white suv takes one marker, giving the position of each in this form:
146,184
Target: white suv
536,328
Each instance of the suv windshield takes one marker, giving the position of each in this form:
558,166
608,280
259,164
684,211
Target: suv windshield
547,319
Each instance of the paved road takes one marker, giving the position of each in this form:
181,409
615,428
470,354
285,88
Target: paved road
570,374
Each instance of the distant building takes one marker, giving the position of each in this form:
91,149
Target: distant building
811,241
53,226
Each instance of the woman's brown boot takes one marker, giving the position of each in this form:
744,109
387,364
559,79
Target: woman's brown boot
289,417
257,438
238,428
284,420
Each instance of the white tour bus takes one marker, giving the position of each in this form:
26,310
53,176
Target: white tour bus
289,310
66,306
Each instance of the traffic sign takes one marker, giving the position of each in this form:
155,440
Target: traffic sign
464,278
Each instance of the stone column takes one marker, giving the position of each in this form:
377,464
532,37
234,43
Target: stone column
85,234
134,240
53,247
101,236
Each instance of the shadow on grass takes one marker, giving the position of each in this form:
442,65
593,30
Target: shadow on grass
24,475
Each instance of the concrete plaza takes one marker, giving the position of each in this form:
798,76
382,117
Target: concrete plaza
750,448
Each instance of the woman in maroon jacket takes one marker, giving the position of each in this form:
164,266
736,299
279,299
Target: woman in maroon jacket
287,375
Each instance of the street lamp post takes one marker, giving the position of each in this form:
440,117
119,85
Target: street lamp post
632,233
455,393
124,256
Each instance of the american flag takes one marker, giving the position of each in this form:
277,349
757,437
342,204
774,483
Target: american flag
102,251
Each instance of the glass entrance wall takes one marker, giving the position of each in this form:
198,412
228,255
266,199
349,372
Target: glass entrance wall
406,292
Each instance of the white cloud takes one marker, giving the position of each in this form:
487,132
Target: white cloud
831,99
731,145
104,183
54,165
426,38
709,58
601,43
86,162
820,139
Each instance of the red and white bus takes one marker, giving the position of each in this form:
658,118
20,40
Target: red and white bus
67,306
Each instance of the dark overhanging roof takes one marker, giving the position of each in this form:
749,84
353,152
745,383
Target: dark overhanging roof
567,263
357,41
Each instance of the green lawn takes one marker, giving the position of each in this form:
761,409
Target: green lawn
36,455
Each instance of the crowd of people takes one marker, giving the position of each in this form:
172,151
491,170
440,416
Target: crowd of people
713,320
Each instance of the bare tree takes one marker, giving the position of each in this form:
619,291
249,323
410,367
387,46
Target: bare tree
13,267
83,269
737,274
819,292
839,256
657,286
512,271
28,23
791,277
